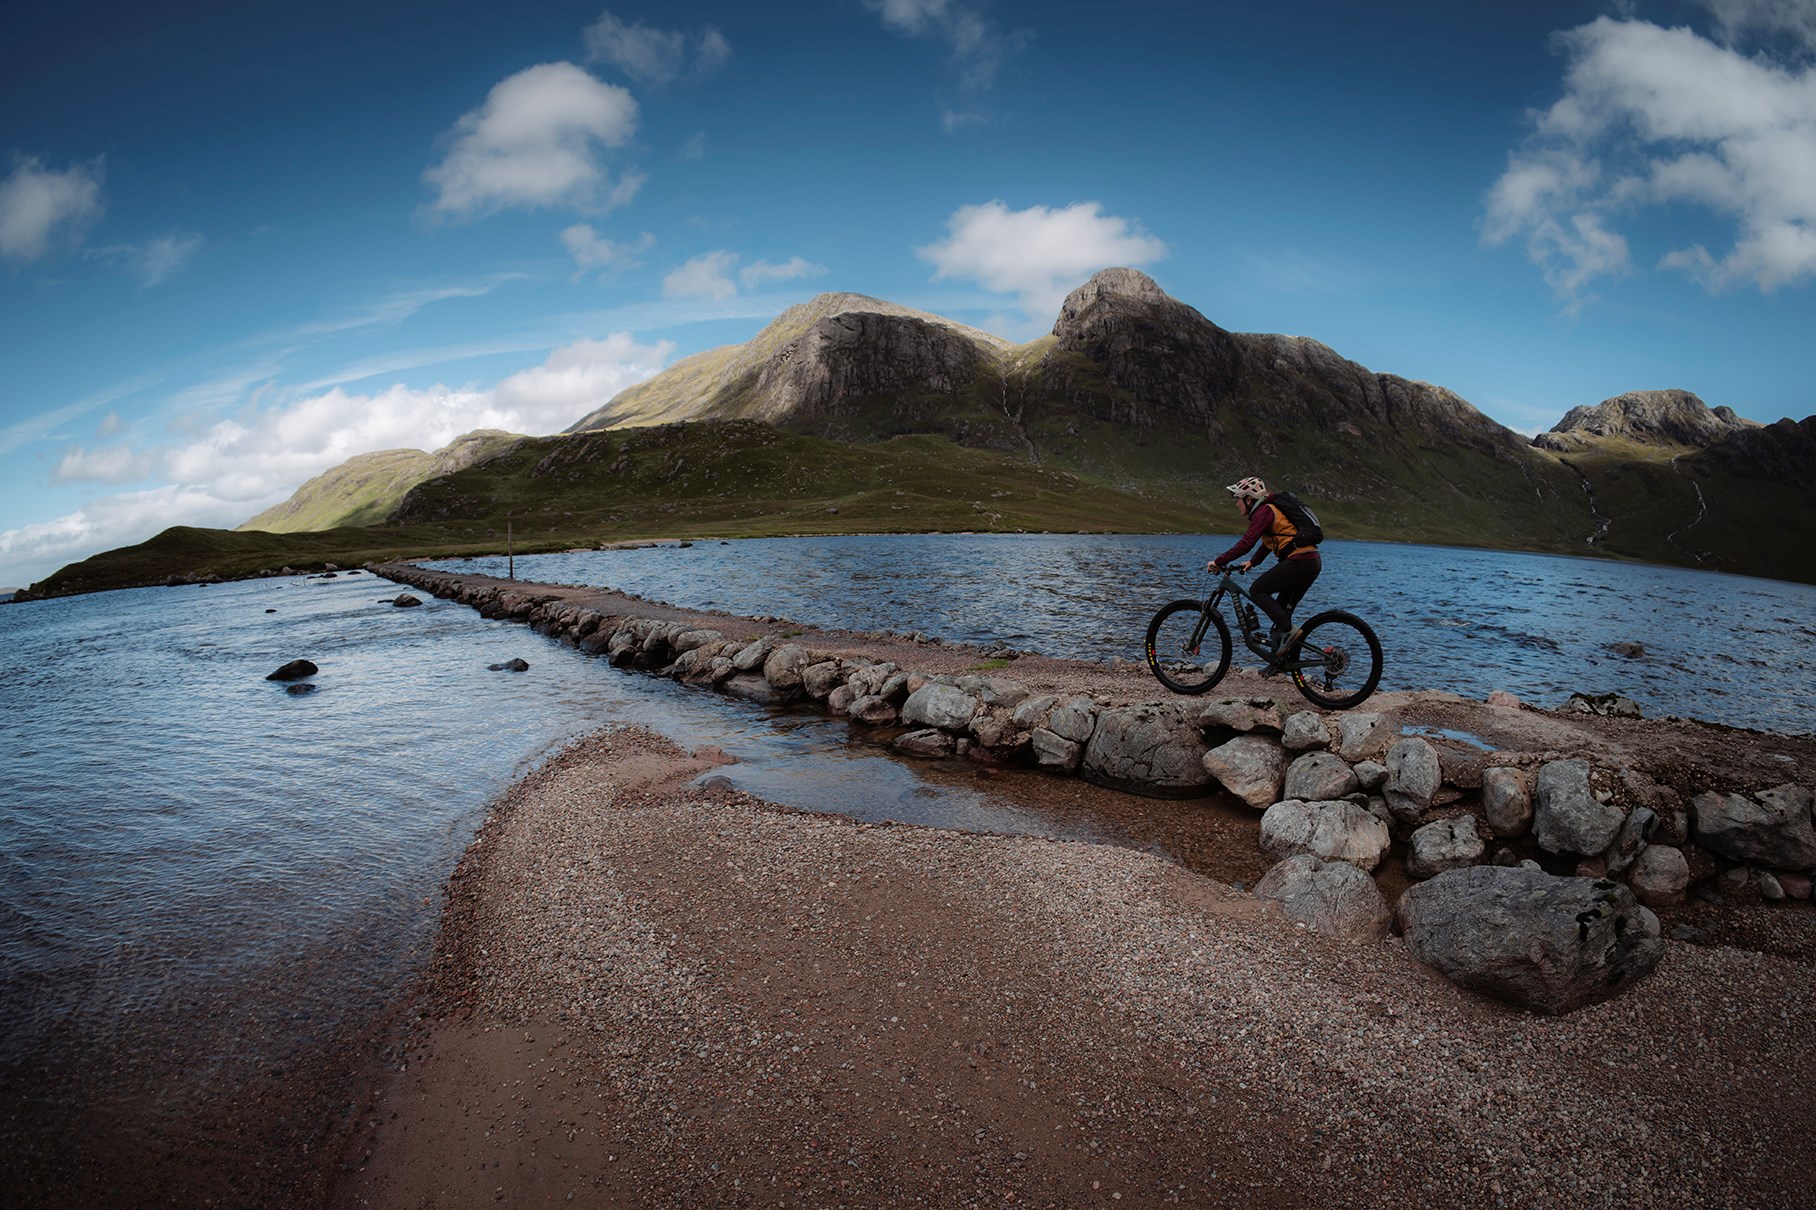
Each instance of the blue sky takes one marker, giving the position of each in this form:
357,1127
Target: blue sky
240,244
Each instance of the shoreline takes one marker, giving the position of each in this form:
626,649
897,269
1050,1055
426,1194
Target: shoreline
648,992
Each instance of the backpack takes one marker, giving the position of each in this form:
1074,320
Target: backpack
1304,520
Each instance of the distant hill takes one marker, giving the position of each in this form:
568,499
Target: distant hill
848,413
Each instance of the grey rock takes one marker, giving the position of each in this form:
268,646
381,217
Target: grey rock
1413,778
295,670
944,706
1154,749
819,680
1075,720
404,600
1362,736
1445,844
301,688
1330,897
1001,691
874,709
1054,752
1548,944
1566,815
929,741
1635,831
1235,714
1252,767
690,640
1660,876
1329,831
751,656
1319,776
895,688
754,688
1608,705
513,665
1371,775
1770,889
1304,731
1506,801
784,666
1032,712
1772,827
840,699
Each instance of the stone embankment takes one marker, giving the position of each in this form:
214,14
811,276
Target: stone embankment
1537,866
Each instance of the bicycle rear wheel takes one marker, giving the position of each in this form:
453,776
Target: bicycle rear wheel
1188,649
1337,662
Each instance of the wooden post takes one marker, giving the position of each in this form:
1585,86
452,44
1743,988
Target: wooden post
510,555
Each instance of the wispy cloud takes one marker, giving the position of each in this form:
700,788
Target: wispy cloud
593,253
976,45
1654,117
155,260
654,56
710,275
1037,254
540,140
41,207
1293,271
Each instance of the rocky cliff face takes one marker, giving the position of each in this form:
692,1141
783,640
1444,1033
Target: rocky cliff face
1647,417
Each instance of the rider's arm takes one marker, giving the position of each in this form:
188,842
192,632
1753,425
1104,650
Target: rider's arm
1259,518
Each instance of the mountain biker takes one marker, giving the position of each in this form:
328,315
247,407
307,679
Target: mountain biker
1278,590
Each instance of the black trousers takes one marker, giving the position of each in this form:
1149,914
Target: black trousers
1281,586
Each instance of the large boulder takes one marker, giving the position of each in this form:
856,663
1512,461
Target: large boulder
784,666
1329,831
1074,720
1771,827
1237,714
1661,875
944,706
1154,749
1332,897
1252,767
1413,778
1055,752
1447,844
1318,776
1545,943
1303,731
1567,817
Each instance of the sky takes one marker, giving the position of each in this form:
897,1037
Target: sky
240,244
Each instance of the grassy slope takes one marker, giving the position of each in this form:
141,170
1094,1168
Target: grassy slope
715,479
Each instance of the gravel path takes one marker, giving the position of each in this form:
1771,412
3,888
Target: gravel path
648,993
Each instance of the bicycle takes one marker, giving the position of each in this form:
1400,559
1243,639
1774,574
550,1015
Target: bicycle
1336,661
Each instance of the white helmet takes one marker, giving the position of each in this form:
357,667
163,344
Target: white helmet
1248,491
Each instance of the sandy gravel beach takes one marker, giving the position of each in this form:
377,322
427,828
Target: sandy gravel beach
654,992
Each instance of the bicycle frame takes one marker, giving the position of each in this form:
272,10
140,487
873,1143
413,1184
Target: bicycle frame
1247,620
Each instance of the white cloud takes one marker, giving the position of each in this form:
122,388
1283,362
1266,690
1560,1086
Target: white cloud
654,56
978,47
709,275
705,276
37,205
539,140
695,147
240,466
1037,254
155,260
761,272
593,252
1654,117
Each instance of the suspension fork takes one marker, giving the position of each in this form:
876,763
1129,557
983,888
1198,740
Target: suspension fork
1204,619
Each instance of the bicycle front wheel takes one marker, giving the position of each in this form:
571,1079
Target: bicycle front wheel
1337,662
1188,649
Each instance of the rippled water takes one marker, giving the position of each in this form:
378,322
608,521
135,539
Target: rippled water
207,883
1723,648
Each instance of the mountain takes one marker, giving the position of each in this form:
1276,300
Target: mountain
848,413
365,489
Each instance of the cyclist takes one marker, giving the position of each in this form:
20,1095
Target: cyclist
1278,591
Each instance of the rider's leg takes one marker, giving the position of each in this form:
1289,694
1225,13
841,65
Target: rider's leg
1278,590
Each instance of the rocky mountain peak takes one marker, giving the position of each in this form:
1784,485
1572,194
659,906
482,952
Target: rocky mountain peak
1649,417
1130,284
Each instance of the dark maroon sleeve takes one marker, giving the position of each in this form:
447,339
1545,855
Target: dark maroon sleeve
1260,517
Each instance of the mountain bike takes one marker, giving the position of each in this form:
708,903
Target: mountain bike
1335,662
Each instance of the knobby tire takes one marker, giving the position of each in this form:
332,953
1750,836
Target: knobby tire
1172,664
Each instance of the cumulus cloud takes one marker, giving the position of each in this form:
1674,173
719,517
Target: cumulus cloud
709,275
540,140
40,207
593,252
242,465
154,261
1654,117
977,46
654,56
1037,254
